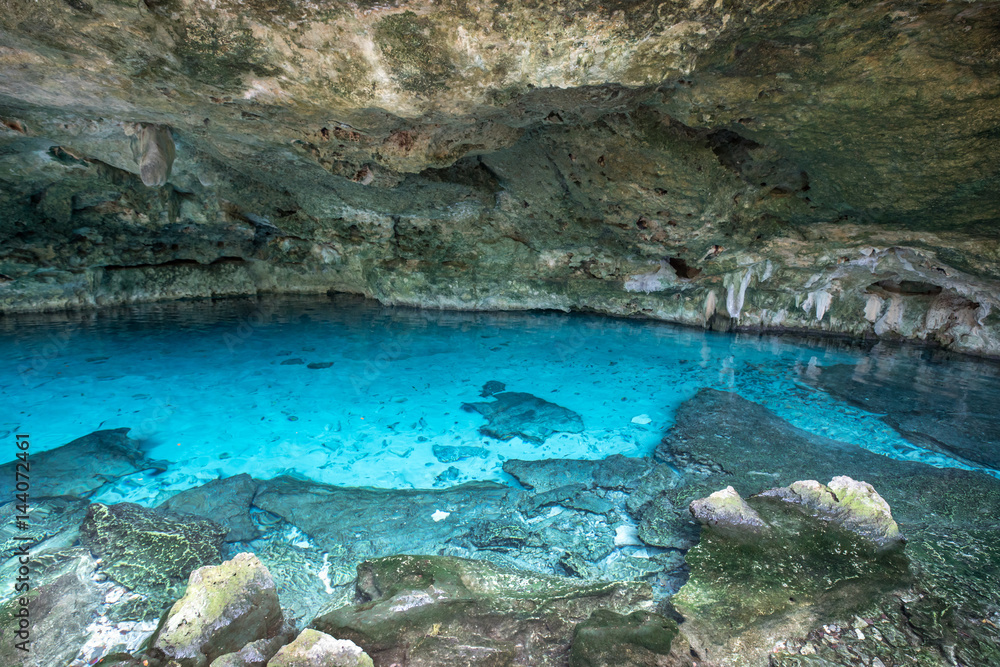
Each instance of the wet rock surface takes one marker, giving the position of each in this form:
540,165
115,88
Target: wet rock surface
723,439
224,501
316,649
528,417
149,552
82,466
419,610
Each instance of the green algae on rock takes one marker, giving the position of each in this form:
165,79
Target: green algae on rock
150,552
224,608
316,649
639,639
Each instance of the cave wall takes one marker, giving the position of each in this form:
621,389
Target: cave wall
827,166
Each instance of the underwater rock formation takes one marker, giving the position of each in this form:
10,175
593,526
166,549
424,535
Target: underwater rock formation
224,501
639,639
432,610
316,649
517,414
82,466
948,411
224,608
952,544
148,551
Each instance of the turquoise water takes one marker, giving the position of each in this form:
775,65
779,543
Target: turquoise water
217,388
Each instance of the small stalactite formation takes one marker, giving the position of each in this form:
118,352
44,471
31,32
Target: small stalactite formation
153,150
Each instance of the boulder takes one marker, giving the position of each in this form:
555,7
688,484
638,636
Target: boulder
437,610
854,506
317,649
224,608
726,511
254,654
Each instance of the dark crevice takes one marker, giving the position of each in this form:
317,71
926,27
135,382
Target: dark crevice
682,269
907,287
174,262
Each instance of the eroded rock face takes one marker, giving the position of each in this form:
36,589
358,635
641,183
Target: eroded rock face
727,166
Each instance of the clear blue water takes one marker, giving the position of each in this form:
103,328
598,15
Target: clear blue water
204,387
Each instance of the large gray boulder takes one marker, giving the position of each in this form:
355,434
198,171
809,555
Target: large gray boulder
225,501
225,608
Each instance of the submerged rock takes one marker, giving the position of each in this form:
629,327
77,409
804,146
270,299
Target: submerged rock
317,649
80,467
60,613
525,416
448,454
948,514
433,610
224,608
492,387
749,590
150,552
952,411
225,501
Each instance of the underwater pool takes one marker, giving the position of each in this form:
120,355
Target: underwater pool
445,411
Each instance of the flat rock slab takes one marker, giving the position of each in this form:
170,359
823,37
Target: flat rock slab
437,610
368,523
80,467
517,414
953,412
225,501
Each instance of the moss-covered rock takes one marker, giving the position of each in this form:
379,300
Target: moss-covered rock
224,608
639,639
316,649
149,552
433,610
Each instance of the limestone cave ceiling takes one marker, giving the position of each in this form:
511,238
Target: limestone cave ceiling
787,165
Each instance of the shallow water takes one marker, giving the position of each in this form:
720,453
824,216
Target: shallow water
224,388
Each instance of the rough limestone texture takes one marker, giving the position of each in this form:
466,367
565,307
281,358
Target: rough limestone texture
254,654
80,467
729,165
854,506
224,608
726,511
149,552
436,610
317,649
